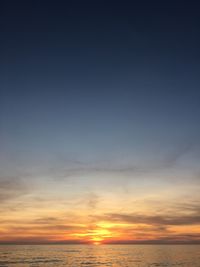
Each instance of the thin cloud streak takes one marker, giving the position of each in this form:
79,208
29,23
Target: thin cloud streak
168,160
11,188
153,220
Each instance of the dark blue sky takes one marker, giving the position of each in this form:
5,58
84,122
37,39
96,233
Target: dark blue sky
87,77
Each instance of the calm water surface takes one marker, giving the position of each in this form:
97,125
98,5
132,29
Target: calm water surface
99,256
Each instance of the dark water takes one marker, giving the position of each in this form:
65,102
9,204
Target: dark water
99,256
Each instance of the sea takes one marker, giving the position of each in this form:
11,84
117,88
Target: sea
100,255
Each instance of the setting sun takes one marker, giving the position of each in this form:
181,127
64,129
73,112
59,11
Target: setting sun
95,236
96,243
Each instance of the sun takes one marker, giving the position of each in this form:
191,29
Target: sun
96,243
95,236
96,240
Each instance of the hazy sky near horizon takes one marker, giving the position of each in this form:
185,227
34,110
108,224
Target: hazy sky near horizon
99,122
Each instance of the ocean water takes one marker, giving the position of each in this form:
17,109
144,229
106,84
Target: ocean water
100,255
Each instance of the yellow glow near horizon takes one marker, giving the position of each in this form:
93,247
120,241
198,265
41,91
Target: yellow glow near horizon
97,243
95,235
99,225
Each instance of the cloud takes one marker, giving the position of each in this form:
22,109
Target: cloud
92,200
42,239
171,158
154,219
12,187
167,160
178,239
177,215
39,230
45,220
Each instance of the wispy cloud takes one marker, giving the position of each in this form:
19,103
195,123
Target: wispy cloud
159,162
153,219
12,187
185,213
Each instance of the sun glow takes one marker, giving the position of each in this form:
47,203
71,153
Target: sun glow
95,236
96,243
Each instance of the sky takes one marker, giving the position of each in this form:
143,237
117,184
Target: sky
99,122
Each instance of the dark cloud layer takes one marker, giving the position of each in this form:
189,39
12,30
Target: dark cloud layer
154,219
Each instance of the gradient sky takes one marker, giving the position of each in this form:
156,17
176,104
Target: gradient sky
99,122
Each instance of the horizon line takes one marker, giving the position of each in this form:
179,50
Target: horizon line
103,243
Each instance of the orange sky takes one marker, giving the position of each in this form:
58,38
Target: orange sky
110,216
